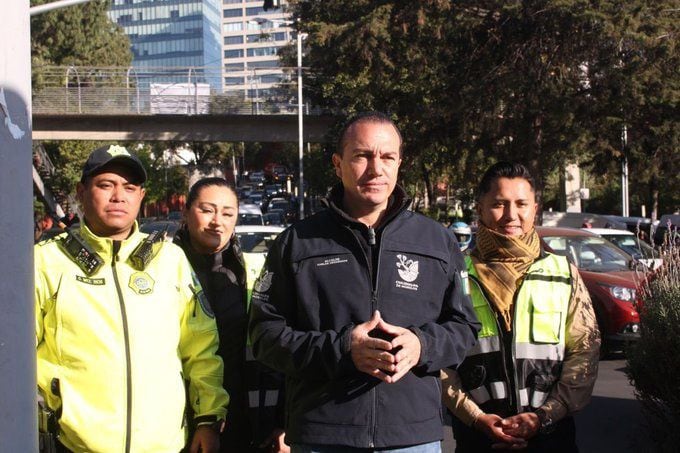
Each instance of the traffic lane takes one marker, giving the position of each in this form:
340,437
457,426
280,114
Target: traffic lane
612,422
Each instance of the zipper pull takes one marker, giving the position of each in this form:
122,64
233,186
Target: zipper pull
371,236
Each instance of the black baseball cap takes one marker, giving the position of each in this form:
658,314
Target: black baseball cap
101,157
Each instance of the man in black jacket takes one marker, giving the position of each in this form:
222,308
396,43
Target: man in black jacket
361,305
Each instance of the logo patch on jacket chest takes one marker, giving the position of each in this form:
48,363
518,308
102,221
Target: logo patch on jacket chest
141,283
408,271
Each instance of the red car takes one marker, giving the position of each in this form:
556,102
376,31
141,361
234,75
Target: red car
608,273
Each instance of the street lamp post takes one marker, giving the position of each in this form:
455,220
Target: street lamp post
298,39
301,187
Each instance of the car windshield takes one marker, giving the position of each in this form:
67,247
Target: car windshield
633,246
590,253
249,219
256,242
169,227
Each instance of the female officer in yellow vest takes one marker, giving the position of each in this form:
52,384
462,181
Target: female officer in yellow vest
207,238
536,359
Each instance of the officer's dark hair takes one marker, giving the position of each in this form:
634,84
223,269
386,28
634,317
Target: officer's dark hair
207,182
505,169
366,117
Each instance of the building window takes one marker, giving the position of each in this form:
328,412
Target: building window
271,78
228,2
235,53
232,12
234,67
266,37
263,64
258,10
263,51
234,80
233,40
174,14
232,26
125,19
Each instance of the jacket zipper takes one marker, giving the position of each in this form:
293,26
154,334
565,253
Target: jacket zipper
374,307
128,366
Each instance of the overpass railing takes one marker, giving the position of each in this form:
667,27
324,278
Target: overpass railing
191,91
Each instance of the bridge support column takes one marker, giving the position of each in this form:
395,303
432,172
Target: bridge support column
18,410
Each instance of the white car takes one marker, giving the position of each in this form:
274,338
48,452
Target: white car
257,238
250,214
255,242
629,243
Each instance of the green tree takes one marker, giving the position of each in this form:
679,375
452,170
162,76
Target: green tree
75,35
635,86
469,82
80,35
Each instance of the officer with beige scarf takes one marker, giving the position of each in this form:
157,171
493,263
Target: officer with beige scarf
537,355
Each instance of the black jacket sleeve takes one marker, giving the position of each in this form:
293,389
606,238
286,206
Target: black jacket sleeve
296,353
444,343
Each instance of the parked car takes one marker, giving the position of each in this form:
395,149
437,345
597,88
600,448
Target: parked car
606,272
50,233
257,178
256,238
668,230
169,226
255,241
249,214
256,198
275,217
629,243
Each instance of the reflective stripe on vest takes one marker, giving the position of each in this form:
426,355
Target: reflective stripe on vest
271,397
498,391
537,398
484,345
539,330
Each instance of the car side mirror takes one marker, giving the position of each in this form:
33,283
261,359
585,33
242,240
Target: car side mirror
637,266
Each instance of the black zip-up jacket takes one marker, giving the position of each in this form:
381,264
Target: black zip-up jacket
329,273
223,278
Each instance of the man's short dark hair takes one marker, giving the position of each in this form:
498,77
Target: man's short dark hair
366,117
504,169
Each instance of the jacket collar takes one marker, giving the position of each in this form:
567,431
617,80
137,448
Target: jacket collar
104,246
397,202
183,239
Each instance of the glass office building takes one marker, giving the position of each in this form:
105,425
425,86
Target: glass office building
169,34
252,40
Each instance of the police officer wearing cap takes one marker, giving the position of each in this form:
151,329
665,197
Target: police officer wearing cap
123,327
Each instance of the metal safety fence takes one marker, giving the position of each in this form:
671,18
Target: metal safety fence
152,91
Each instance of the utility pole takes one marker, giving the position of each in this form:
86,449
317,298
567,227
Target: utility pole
18,388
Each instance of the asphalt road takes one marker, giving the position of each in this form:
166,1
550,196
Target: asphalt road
613,421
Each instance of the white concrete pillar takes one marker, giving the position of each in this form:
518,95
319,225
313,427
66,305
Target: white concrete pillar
18,407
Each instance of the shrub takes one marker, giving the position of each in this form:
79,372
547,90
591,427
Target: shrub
654,361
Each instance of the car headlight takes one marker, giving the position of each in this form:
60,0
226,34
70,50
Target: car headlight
621,292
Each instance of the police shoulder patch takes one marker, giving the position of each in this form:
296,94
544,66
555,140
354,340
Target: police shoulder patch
264,282
200,296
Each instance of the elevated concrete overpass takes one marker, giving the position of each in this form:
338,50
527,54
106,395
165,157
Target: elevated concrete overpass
206,127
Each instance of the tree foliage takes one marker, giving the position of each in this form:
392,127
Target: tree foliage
80,35
544,82
76,35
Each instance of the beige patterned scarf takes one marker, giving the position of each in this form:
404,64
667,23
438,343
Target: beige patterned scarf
501,262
